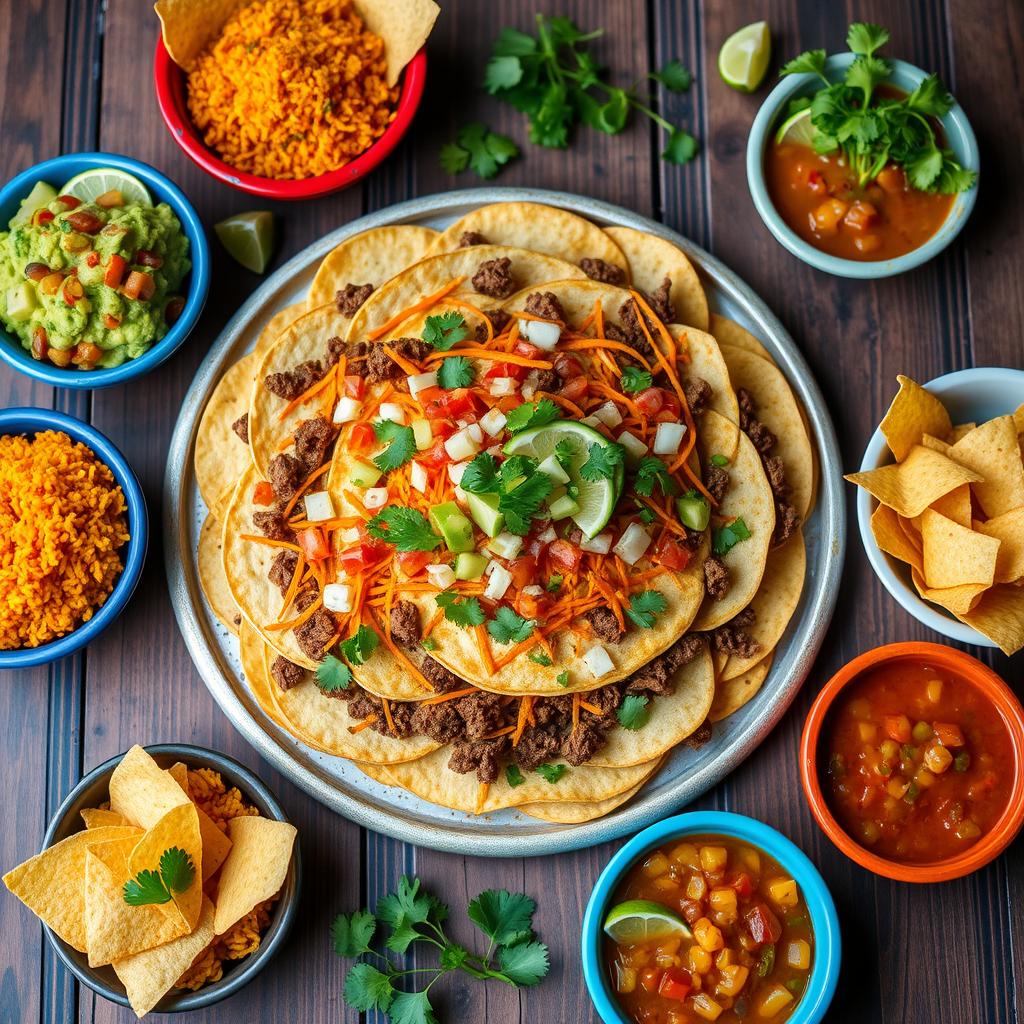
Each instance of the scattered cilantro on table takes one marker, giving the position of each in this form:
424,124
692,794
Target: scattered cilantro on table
175,875
478,148
445,330
401,447
633,712
406,528
645,607
652,471
410,915
456,372
507,627
463,611
724,539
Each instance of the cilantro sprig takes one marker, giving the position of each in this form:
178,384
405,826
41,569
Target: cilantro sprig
463,611
520,488
332,675
872,131
645,607
602,461
507,627
478,148
445,330
457,372
633,712
410,915
360,645
531,414
175,875
652,472
401,447
635,379
406,528
724,539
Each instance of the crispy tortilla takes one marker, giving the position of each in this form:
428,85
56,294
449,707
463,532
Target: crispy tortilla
580,811
212,578
275,325
728,332
732,694
707,362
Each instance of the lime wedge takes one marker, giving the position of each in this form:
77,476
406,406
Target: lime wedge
89,185
743,58
596,498
249,238
642,921
796,130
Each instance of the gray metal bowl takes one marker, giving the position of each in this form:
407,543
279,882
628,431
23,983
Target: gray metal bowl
92,790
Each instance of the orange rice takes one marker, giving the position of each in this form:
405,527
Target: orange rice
291,88
62,523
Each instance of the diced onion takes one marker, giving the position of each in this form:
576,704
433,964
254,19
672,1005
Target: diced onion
392,411
423,434
421,381
456,471
347,410
533,590
668,437
375,497
541,334
338,597
461,446
418,477
319,506
350,536
506,545
501,386
591,421
633,543
493,421
548,536
474,430
633,445
599,545
498,582
598,661
529,390
608,414
460,495
441,575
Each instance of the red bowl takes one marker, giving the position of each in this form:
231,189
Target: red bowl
170,95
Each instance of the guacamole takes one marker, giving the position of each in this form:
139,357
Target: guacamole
91,283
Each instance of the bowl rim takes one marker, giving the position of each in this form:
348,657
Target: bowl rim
761,132
824,977
255,790
884,566
169,79
199,276
26,420
985,680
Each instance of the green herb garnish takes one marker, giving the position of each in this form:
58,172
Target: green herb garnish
725,538
719,460
554,583
602,461
400,450
531,414
332,675
551,772
360,645
633,712
406,528
538,656
463,611
430,644
645,607
509,628
175,875
650,472
445,330
479,149
520,488
635,379
562,678
457,372
513,776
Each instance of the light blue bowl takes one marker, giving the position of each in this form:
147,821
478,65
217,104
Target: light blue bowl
59,170
821,985
31,421
959,136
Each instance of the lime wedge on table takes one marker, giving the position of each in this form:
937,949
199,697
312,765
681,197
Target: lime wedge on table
248,238
89,185
596,498
796,130
643,921
743,58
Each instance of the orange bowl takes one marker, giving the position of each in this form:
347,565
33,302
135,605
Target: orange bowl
1002,699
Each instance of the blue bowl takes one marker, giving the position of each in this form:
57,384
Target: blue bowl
821,985
59,170
31,421
959,136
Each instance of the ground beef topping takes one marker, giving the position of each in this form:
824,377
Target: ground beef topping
604,625
494,278
356,355
698,392
468,238
336,348
286,475
716,578
282,569
537,745
545,305
716,480
441,722
442,679
241,427
351,297
776,473
286,673
273,524
599,270
483,713
292,383
732,638
380,367
312,439
483,757
699,736
787,522
405,624
583,743
498,318
763,439
655,676
316,633
547,380
661,301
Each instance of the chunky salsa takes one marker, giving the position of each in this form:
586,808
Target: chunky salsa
745,949
919,762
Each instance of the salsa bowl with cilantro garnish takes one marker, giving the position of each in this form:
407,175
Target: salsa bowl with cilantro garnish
862,166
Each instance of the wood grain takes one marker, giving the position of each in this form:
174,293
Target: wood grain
923,954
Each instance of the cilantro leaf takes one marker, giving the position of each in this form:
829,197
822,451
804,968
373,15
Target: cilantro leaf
562,678
565,452
402,445
525,963
646,515
146,888
513,776
445,330
513,43
360,645
481,475
453,956
332,675
502,916
650,472
719,460
554,583
552,772
463,611
674,76
635,378
457,372
509,628
176,869
723,540
475,145
352,933
522,503
411,1008
539,657
503,72
406,903
531,414
366,988
406,528
453,159
681,147
175,875
809,62
633,712
930,98
864,38
602,461
645,607
430,644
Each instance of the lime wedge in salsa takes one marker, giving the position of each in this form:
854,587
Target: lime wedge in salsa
643,921
596,498
90,185
743,58
248,238
796,130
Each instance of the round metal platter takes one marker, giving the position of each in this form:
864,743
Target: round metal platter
338,783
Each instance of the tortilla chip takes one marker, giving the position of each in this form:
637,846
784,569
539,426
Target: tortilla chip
961,430
956,505
214,842
179,828
732,694
955,554
403,25
958,600
261,850
935,443
1008,529
999,615
909,487
148,976
913,413
991,450
213,579
96,817
892,539
912,531
189,26
142,791
179,772
52,883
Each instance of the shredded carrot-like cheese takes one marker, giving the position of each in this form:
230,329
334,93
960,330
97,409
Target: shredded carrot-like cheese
450,695
312,478
364,724
417,307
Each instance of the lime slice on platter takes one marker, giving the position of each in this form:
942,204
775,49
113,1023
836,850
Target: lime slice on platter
796,130
596,498
90,185
638,921
248,238
744,56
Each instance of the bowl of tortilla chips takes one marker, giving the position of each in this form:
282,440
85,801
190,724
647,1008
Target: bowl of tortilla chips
168,878
941,505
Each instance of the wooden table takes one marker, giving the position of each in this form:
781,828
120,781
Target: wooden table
952,953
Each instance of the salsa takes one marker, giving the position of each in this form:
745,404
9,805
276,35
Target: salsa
919,762
816,197
747,949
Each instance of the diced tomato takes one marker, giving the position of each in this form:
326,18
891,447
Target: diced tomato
672,555
92,259
949,734
147,258
897,727
70,202
523,570
139,286
675,984
435,456
506,370
670,410
692,910
263,493
354,560
743,885
564,556
575,389
361,438
313,544
524,348
412,562
448,404
85,222
567,366
650,979
72,290
763,925
530,606
174,308
442,428
86,355
116,268
40,342
110,322
816,182
355,387
649,401
41,217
